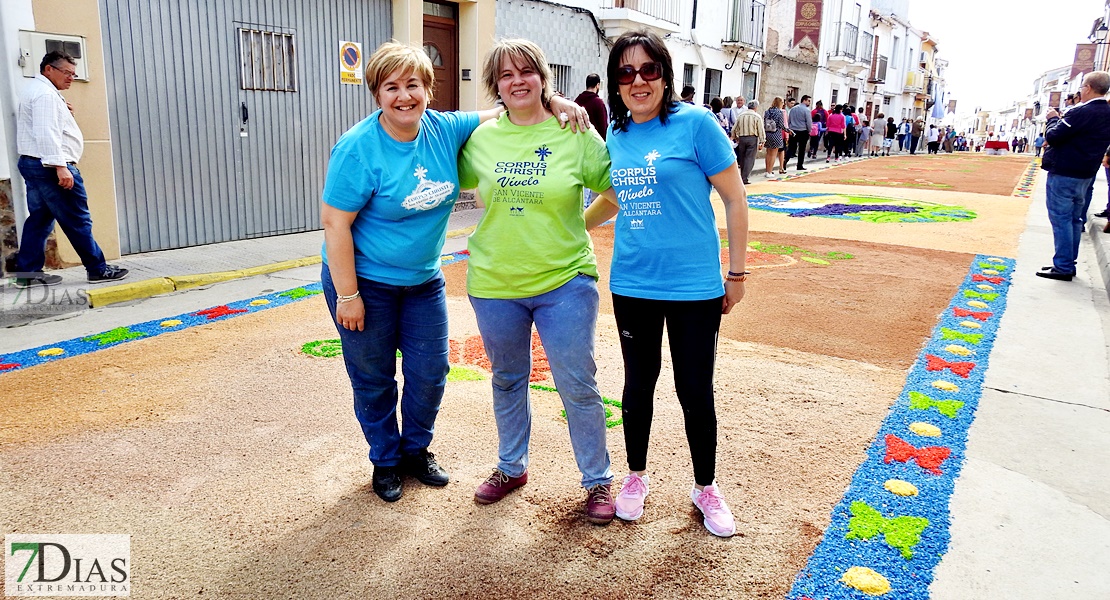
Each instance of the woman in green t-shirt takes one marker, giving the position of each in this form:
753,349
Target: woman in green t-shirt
532,262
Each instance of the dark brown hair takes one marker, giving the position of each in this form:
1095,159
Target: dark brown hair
655,49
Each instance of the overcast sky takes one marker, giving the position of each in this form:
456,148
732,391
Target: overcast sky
996,48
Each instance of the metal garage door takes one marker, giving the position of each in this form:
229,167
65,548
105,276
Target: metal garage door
198,158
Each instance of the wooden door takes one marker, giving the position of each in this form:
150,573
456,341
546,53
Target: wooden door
441,42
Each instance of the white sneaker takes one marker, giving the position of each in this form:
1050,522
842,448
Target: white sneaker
630,502
718,518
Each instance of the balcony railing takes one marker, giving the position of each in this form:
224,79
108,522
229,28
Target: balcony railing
866,47
664,10
847,41
746,23
878,71
915,81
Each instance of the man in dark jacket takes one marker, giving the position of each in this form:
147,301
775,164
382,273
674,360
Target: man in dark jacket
1076,144
593,104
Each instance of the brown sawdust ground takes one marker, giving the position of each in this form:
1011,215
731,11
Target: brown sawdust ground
967,172
234,462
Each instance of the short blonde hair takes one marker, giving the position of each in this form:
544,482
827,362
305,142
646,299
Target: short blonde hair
520,52
392,56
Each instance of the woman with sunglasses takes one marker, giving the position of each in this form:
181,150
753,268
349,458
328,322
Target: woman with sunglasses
532,263
391,184
666,259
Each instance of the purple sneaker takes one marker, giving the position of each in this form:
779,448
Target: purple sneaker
630,502
497,486
718,518
599,504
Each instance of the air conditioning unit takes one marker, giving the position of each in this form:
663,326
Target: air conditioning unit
33,45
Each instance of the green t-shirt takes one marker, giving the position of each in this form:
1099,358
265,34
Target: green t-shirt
532,237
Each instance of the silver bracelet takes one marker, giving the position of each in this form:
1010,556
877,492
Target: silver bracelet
340,298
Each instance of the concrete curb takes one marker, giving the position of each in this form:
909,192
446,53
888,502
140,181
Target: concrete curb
146,288
1101,242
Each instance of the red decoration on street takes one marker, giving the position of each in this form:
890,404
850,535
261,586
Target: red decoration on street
928,458
453,352
474,353
994,280
7,366
963,312
219,311
936,363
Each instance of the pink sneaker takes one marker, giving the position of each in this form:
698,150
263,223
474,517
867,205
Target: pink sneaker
630,502
718,518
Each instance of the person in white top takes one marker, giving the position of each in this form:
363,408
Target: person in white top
50,145
934,140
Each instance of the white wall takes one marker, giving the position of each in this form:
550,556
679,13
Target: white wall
14,15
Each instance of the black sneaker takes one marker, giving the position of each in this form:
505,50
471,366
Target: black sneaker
39,279
1103,214
387,483
109,273
424,468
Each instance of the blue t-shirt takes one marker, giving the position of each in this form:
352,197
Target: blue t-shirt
667,246
403,193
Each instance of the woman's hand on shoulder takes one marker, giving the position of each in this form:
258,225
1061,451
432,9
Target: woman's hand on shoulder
569,113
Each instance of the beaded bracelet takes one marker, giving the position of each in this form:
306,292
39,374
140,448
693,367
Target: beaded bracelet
737,276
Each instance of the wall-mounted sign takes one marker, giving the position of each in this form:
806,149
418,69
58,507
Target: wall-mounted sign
807,21
350,63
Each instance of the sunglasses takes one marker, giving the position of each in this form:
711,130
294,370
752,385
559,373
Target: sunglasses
648,72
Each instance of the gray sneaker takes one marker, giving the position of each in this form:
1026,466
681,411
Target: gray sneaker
42,279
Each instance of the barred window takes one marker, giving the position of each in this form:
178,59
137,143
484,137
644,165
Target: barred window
687,74
267,61
562,82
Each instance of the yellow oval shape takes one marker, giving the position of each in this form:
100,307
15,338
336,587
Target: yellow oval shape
170,323
865,580
970,324
978,304
51,352
259,302
958,350
990,272
902,488
947,386
925,429
985,287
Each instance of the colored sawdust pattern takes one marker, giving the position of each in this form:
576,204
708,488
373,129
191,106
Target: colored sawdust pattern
960,171
1028,182
890,530
835,309
872,209
227,429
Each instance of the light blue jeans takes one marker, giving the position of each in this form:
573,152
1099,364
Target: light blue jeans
566,319
1068,199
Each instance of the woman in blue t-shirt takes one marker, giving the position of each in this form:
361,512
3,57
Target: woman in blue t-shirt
666,259
391,185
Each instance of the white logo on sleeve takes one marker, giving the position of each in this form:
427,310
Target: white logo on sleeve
428,194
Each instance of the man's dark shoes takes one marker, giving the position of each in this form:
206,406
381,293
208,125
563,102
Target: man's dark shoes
1052,273
42,279
109,273
1102,215
387,483
424,468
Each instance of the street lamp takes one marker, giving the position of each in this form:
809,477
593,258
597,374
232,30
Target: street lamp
1100,42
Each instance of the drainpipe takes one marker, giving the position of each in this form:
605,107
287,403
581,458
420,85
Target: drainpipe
9,102
694,36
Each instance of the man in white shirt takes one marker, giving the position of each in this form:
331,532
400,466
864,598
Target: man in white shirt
50,144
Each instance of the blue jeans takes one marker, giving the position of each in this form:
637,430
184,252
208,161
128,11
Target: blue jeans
412,319
48,202
566,319
1068,199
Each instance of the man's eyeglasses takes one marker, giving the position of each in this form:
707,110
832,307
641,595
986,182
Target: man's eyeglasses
66,72
648,72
